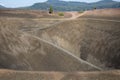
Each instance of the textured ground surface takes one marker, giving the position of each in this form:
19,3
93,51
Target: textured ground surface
22,51
103,14
86,40
30,14
59,48
22,75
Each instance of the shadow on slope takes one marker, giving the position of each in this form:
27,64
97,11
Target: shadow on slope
96,41
21,51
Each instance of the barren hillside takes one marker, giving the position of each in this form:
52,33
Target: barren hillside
71,48
113,14
14,13
94,40
22,51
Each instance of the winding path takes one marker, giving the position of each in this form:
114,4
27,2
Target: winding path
69,53
75,16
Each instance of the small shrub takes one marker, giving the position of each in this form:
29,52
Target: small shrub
61,14
80,11
95,8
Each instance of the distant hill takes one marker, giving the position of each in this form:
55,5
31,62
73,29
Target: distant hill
59,5
106,4
2,6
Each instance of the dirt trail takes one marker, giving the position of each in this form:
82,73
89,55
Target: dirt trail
69,53
75,15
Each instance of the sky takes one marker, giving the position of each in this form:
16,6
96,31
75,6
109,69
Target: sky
22,3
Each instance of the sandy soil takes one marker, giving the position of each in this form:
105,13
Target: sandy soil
28,75
64,44
113,14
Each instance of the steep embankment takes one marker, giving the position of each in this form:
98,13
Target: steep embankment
96,41
65,35
28,75
21,51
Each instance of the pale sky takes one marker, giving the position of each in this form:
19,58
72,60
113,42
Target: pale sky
22,3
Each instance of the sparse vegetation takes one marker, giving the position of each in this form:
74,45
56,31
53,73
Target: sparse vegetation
69,6
61,14
50,10
37,41
81,11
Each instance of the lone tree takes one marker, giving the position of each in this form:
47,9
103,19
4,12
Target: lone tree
95,8
50,10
